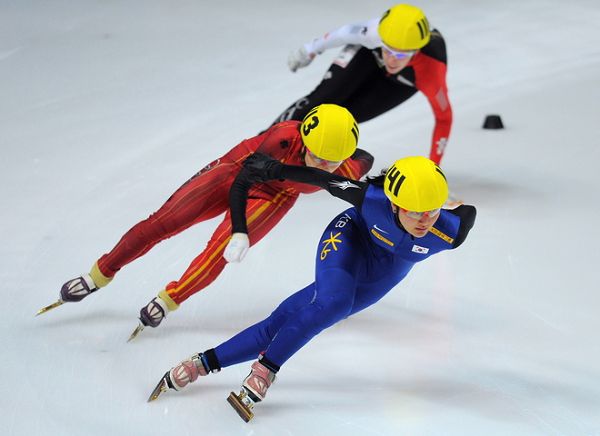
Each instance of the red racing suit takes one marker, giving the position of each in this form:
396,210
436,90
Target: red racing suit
206,195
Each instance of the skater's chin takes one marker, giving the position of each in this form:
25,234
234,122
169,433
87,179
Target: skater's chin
393,70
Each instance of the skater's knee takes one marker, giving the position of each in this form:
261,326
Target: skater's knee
155,228
325,313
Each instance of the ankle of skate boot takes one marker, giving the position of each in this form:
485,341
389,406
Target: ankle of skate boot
165,297
89,281
99,279
210,360
200,365
271,366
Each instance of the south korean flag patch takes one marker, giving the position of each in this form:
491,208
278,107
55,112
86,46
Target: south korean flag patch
419,249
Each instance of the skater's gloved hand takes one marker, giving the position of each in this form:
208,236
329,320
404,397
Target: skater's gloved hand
299,58
237,247
262,167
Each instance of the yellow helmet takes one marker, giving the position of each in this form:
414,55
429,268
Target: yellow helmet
404,27
416,184
330,132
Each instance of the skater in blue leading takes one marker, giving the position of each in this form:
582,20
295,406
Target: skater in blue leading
396,221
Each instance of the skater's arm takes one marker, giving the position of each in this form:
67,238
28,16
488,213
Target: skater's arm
467,216
442,111
431,81
261,168
362,33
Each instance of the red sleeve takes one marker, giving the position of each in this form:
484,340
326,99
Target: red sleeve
431,81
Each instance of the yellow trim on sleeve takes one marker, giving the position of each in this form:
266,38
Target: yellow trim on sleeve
167,299
382,238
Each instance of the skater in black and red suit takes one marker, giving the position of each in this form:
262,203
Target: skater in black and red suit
384,62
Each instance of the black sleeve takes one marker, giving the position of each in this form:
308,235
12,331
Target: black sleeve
349,190
238,198
467,215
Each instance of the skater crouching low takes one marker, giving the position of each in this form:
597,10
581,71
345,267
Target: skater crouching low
396,221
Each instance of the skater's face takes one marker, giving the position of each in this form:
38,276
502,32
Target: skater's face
417,223
396,60
311,160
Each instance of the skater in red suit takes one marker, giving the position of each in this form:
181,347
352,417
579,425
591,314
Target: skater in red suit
326,139
384,61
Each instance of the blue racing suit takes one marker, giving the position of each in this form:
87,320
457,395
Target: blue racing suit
363,253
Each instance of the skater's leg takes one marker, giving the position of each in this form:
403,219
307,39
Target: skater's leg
247,344
242,347
201,198
262,216
327,301
339,261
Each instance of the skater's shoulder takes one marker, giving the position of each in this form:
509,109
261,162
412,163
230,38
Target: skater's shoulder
282,135
466,215
290,128
436,48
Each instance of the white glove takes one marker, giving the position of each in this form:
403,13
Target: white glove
299,59
237,247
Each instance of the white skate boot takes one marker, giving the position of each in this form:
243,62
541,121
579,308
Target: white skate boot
254,390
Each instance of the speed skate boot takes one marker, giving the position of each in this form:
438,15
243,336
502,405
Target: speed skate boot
80,287
186,372
77,289
254,389
154,312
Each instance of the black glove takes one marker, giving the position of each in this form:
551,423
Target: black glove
263,168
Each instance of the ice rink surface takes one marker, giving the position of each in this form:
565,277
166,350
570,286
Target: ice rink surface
106,107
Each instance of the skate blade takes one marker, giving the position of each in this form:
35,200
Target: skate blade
241,409
136,332
161,387
50,307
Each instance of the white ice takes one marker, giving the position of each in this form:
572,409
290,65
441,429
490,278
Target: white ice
106,107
